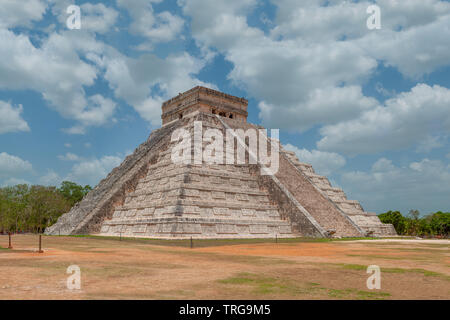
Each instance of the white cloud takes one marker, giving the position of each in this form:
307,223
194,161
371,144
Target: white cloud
401,122
14,181
51,178
69,157
300,84
157,27
97,17
11,119
429,143
15,13
324,163
92,171
423,185
11,166
147,81
416,51
57,72
309,69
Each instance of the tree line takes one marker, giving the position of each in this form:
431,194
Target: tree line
25,208
431,225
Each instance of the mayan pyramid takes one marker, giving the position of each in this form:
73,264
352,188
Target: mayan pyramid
150,195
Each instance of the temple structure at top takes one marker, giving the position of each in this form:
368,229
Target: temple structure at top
204,100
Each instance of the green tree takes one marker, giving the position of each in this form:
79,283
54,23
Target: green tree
25,208
440,223
395,218
412,223
73,192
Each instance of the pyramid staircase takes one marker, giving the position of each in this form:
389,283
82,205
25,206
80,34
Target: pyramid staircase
202,201
367,222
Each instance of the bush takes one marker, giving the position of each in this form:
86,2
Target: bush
33,208
433,224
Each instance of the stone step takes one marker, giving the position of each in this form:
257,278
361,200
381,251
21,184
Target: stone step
180,227
243,199
231,174
197,220
191,211
197,202
195,186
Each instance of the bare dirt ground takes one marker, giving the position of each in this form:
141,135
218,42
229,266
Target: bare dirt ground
289,269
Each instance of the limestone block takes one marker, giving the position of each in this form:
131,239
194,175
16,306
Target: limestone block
226,228
253,184
191,210
160,211
192,192
258,229
117,215
151,229
148,212
221,211
140,228
156,196
286,229
242,197
230,196
215,180
209,229
248,212
131,213
218,195
243,229
235,182
164,228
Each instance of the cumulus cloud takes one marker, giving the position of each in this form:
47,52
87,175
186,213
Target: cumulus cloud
399,123
57,72
14,181
324,163
97,17
145,82
157,27
12,166
299,83
92,171
309,69
69,157
51,178
21,13
11,119
423,185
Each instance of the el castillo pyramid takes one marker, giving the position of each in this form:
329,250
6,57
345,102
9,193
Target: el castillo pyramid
150,195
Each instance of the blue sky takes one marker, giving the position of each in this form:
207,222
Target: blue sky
368,108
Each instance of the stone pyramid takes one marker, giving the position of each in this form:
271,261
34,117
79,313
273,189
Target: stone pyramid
151,195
